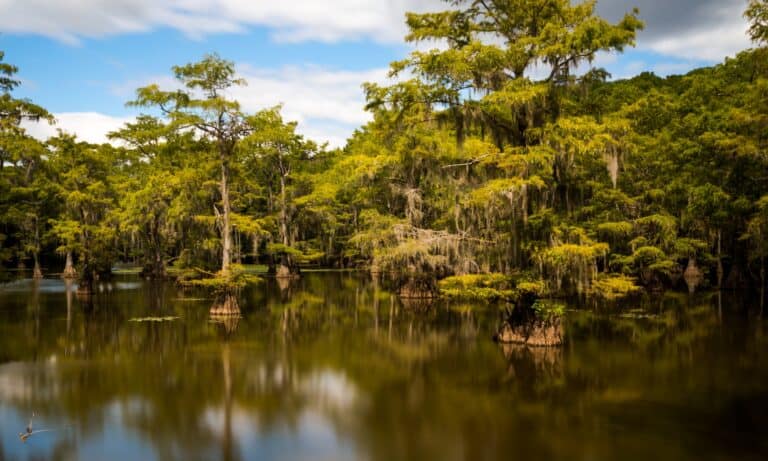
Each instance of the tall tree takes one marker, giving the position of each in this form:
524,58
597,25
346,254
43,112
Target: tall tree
492,45
277,151
155,211
82,174
20,158
202,105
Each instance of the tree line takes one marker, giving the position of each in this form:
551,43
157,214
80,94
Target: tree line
472,171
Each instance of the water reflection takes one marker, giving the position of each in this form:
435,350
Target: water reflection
332,366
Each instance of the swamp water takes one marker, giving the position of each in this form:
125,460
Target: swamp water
334,368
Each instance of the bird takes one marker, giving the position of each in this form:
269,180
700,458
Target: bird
25,435
28,432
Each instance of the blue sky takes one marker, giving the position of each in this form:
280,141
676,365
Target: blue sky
83,59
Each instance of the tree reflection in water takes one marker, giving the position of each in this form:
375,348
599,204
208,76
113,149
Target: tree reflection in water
336,367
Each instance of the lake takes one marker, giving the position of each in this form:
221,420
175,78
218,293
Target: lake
333,367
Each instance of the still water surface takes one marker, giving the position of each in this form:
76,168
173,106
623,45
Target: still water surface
335,368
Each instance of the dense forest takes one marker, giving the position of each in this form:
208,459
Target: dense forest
473,178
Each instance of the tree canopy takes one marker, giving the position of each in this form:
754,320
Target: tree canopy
504,157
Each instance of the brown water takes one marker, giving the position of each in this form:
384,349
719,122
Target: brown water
334,368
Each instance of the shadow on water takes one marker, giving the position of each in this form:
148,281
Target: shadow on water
332,366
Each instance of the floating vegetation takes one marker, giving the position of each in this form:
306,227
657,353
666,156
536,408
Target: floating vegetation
637,315
154,319
126,270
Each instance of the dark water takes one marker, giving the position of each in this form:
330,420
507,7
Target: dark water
333,368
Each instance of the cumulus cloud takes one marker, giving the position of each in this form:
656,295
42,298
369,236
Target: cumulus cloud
290,21
691,29
308,93
328,104
700,29
88,126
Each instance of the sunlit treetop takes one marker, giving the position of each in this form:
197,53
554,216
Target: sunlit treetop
7,71
508,36
757,14
203,104
13,111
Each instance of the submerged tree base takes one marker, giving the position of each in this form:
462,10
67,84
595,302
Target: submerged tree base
225,305
536,332
287,272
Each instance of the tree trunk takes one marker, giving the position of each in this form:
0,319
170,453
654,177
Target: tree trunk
69,268
226,225
158,270
762,285
85,284
37,273
287,267
283,212
226,305
719,259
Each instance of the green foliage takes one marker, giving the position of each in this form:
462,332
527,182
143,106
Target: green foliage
615,230
486,287
547,309
237,278
297,254
757,14
575,264
613,287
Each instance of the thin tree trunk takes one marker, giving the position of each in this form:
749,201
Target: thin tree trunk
69,268
159,270
85,284
228,304
762,285
226,228
287,268
719,259
159,265
283,212
37,273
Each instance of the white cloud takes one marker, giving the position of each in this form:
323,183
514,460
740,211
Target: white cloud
308,93
712,43
691,29
290,21
328,104
706,30
88,126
